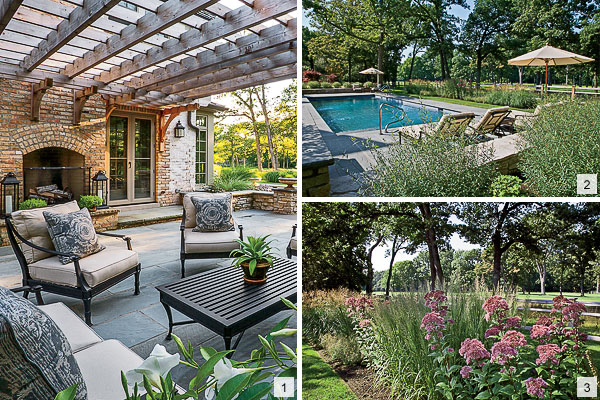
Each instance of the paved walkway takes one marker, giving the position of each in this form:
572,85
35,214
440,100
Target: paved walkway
140,321
352,151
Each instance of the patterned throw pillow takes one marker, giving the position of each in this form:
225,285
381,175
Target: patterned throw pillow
36,361
213,214
73,233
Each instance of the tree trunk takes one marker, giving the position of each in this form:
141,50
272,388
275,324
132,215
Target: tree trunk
412,61
434,255
497,271
350,65
478,71
541,268
597,284
369,286
380,54
389,278
262,100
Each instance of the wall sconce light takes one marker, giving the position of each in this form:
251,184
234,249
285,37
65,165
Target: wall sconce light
179,130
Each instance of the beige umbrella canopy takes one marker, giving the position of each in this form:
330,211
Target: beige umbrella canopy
549,55
372,71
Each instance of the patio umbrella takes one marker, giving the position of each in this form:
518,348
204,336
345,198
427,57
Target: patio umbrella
372,71
549,55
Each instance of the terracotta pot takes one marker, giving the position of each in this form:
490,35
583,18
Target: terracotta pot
93,209
260,273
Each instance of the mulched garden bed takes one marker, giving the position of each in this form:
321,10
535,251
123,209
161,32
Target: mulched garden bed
359,379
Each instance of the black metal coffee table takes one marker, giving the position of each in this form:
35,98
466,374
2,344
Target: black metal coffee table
220,300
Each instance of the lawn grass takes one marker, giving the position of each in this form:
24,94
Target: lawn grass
319,381
551,295
403,92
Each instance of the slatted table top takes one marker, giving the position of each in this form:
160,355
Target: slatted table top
220,299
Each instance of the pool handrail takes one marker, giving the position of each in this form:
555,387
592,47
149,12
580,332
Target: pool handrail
393,122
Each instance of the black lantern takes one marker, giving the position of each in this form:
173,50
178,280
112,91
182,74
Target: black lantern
9,193
179,130
100,187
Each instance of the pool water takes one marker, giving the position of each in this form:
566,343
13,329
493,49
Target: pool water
344,114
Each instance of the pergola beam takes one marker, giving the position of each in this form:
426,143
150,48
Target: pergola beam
255,79
8,8
168,14
271,41
211,31
79,19
276,61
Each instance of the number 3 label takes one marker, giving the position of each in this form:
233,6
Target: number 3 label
284,387
587,386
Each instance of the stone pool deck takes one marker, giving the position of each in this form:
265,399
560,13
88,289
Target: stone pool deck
140,322
346,157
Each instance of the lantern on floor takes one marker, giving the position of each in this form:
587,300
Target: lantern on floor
100,188
9,193
179,130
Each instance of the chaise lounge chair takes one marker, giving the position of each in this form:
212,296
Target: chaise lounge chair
492,121
203,245
83,278
454,124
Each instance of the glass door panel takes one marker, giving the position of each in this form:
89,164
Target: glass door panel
143,158
118,137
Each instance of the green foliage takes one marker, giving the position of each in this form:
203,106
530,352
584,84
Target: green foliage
326,85
513,98
368,84
342,348
32,203
230,184
324,313
565,135
67,394
313,84
507,186
89,202
435,165
272,176
319,381
239,172
336,85
253,250
347,85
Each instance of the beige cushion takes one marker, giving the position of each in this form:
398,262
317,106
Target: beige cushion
96,268
78,334
101,366
190,209
210,242
293,243
32,226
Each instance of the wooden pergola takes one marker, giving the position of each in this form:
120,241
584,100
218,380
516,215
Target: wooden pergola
150,53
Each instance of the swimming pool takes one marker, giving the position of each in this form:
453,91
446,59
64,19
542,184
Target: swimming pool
352,113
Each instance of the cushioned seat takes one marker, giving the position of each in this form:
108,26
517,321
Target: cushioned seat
101,366
76,331
96,268
210,242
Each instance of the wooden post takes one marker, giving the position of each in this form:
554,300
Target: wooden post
573,93
37,93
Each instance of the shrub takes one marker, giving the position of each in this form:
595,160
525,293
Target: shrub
360,84
336,85
239,173
314,84
433,166
324,312
344,349
325,85
32,203
230,184
310,75
566,135
347,85
507,186
513,98
89,202
331,78
272,176
304,85
368,84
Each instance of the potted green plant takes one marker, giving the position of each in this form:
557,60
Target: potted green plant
89,202
255,257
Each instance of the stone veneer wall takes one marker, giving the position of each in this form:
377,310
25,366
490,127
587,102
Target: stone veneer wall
315,181
19,135
279,201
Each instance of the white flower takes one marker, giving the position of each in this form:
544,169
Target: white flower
157,365
223,372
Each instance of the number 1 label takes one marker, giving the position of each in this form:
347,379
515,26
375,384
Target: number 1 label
284,387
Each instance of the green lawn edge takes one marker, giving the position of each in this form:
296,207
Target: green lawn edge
452,101
319,380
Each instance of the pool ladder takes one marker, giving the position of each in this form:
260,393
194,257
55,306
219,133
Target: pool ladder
381,107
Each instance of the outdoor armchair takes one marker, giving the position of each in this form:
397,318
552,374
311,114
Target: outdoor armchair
83,278
203,245
292,248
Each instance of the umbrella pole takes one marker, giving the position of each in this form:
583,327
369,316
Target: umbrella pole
546,96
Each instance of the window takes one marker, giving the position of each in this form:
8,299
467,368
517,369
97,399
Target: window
201,142
128,5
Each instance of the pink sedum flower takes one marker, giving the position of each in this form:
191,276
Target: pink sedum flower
502,352
492,332
540,332
544,320
473,350
495,305
364,323
465,371
547,352
514,338
512,323
536,387
433,323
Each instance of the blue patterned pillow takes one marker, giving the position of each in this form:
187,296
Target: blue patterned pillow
73,233
36,361
213,214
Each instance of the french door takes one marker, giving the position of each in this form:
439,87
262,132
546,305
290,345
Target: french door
132,159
